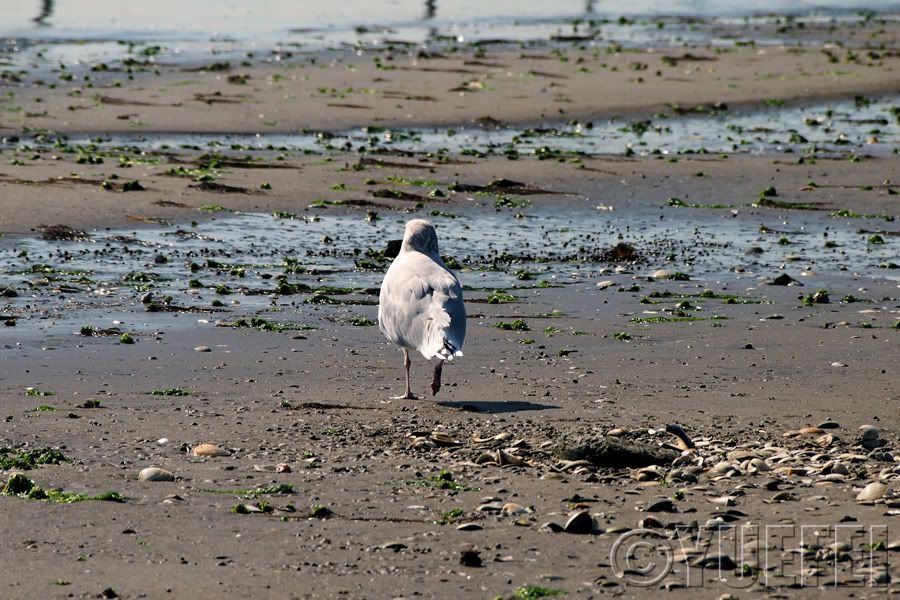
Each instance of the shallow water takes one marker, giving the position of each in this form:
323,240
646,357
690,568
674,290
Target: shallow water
863,126
543,244
39,36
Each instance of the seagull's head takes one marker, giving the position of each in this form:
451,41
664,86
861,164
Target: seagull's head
420,236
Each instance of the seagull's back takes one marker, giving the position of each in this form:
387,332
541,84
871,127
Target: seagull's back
421,302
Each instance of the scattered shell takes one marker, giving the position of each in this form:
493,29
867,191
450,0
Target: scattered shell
551,527
210,450
511,508
873,491
661,274
651,473
202,349
580,522
283,468
602,285
506,458
617,432
468,527
155,474
662,506
442,438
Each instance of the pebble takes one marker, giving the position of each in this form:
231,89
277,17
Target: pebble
210,450
869,432
661,274
155,474
202,349
579,522
873,491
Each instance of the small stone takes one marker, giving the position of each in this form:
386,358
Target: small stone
873,491
469,527
282,468
661,274
551,527
202,349
210,450
868,432
579,522
155,474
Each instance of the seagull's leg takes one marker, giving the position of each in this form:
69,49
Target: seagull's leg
436,382
406,363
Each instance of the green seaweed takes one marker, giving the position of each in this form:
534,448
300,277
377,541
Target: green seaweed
517,325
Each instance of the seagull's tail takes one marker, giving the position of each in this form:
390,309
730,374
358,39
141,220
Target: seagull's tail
448,351
441,339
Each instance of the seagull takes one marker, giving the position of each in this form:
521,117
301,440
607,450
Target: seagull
420,306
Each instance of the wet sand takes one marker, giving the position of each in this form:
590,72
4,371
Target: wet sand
317,399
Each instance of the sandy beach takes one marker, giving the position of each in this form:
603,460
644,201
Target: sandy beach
159,293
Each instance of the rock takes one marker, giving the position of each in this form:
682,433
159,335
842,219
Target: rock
873,491
872,444
580,522
202,349
210,450
785,279
868,432
612,452
661,274
722,562
155,474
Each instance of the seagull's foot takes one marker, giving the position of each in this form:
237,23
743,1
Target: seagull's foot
436,382
406,396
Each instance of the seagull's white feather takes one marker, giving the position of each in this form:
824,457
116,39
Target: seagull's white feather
421,302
